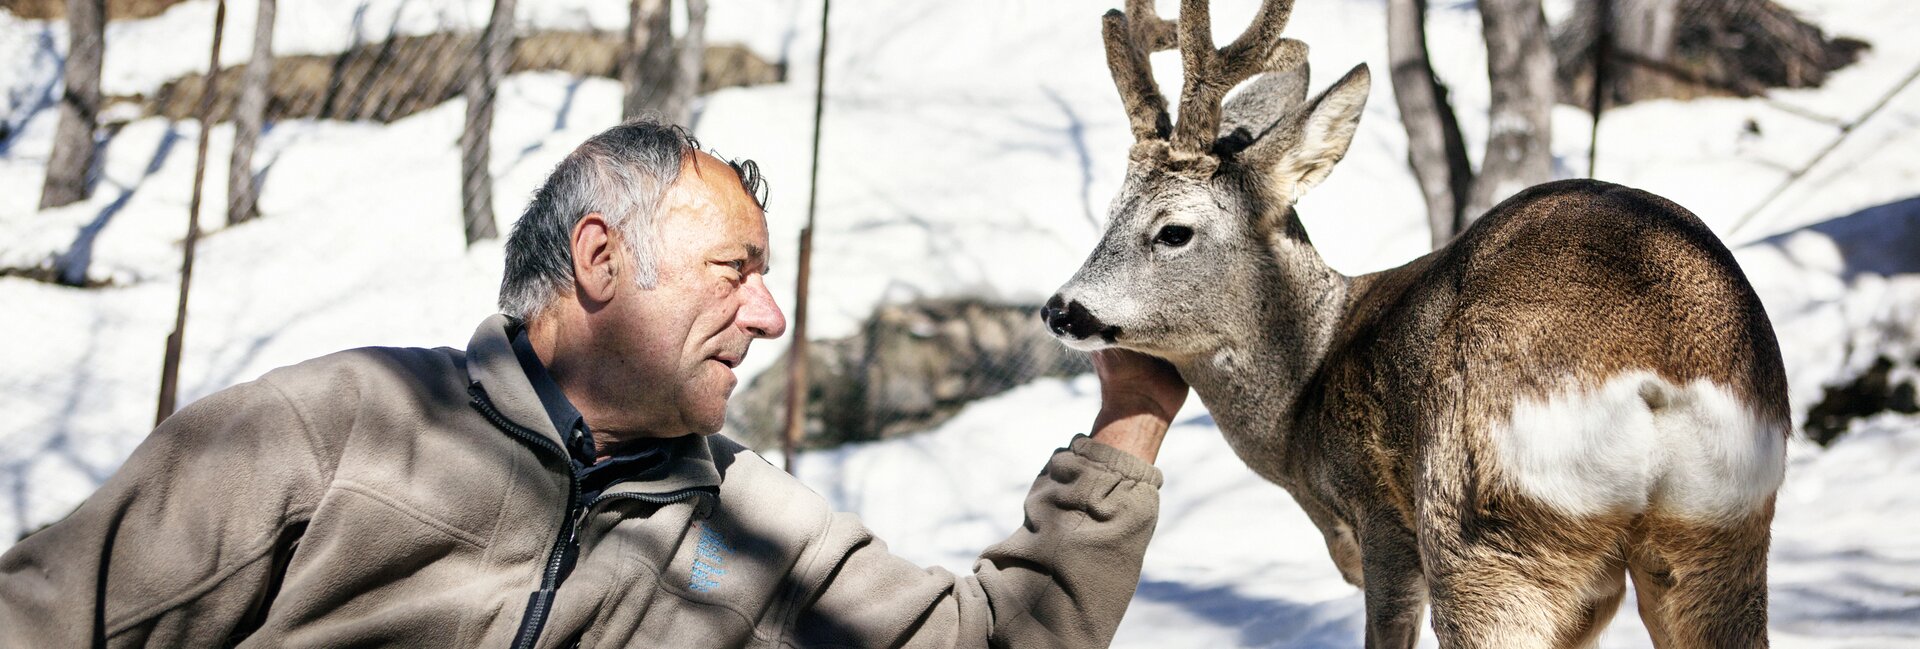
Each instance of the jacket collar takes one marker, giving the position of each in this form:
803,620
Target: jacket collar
690,466
492,365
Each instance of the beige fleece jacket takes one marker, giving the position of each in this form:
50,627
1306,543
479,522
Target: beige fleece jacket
415,497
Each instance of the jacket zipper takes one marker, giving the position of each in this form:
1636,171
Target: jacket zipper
540,602
657,499
668,498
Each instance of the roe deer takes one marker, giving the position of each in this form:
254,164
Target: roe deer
1579,387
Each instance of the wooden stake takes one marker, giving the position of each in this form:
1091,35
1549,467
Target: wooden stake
170,368
797,353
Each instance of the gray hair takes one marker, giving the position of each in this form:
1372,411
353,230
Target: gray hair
622,173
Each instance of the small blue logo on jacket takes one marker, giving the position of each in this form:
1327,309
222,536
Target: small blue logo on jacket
709,560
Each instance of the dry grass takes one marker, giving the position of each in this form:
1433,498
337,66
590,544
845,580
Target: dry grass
1738,48
398,77
46,273
116,9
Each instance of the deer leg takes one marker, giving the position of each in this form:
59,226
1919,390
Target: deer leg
1593,618
1509,575
1343,545
1395,589
1703,584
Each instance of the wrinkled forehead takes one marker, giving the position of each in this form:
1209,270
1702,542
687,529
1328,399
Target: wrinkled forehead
706,209
719,181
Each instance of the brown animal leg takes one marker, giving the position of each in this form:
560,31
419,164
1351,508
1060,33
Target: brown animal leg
1515,574
1492,605
1396,591
1598,612
1703,584
1495,605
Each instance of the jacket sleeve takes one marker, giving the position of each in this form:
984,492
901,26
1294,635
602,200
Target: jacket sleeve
1063,579
180,545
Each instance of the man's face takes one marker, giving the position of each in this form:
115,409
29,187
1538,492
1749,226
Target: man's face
683,338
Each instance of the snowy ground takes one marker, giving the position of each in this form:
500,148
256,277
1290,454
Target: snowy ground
969,149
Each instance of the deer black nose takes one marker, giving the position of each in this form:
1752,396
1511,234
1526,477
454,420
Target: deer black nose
1071,319
1054,313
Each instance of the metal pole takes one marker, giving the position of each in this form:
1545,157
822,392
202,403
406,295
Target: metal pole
797,353
170,368
1602,50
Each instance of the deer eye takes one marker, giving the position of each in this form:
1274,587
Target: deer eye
1173,235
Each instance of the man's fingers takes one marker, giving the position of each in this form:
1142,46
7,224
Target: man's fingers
1129,376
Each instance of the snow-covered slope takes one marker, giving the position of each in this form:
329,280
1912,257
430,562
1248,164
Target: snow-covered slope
969,149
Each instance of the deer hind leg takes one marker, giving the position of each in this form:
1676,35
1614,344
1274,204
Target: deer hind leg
1513,578
1593,618
1702,584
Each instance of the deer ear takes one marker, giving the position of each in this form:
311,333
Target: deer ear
1299,151
1259,103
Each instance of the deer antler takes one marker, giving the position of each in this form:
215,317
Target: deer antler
1210,73
1129,41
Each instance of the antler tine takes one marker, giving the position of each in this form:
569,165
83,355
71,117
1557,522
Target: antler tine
1211,73
1150,31
1133,74
1255,46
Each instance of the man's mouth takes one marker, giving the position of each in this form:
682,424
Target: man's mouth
730,360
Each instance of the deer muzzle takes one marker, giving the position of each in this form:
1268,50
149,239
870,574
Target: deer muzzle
1074,324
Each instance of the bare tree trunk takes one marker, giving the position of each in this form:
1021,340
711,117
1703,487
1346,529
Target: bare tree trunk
483,82
647,67
249,112
689,51
1435,148
634,60
72,160
1645,28
662,74
1520,129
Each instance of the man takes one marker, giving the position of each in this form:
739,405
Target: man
559,482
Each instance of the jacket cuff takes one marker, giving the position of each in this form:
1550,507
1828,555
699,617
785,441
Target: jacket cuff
1115,460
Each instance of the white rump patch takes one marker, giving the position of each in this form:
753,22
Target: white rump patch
1639,443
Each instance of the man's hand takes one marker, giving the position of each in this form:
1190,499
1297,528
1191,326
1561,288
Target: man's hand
1139,395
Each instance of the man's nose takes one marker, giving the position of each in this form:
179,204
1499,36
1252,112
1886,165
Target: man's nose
760,315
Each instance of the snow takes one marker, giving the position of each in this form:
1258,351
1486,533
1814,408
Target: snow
969,148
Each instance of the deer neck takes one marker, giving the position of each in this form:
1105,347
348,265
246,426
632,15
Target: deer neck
1252,383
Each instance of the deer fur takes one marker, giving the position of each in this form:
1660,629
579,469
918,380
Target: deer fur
1580,387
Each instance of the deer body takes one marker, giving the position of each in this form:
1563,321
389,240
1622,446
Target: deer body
1544,368
1581,386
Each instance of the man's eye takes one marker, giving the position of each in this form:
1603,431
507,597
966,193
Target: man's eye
1174,236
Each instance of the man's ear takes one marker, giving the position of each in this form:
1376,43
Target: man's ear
1300,150
596,262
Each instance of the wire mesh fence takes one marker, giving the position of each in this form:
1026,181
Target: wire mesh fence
910,366
424,58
